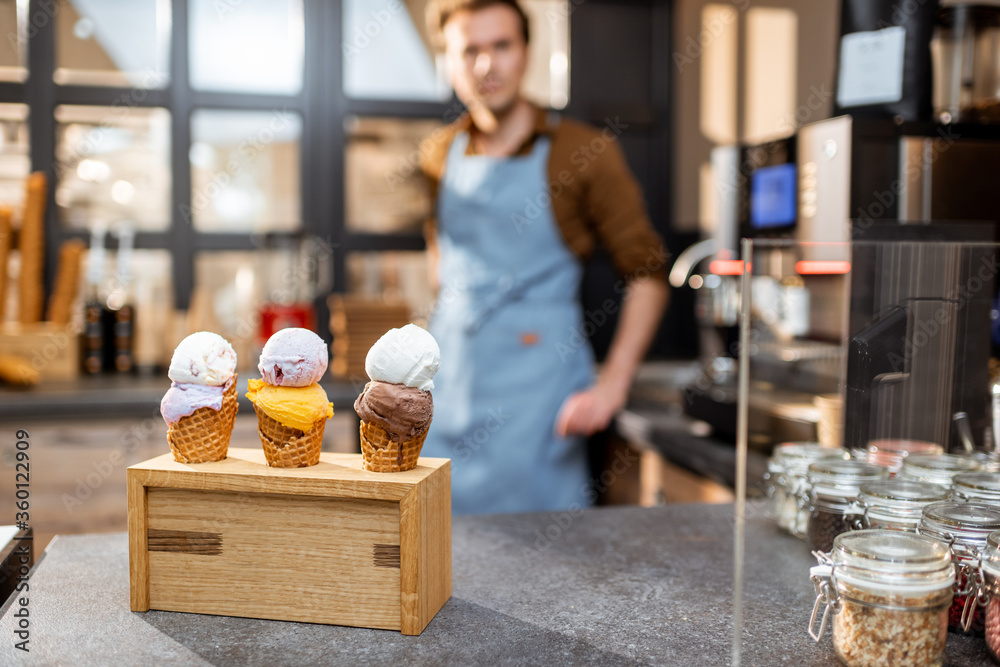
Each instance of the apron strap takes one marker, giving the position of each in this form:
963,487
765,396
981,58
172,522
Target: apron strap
509,290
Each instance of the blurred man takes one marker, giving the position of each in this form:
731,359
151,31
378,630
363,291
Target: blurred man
522,197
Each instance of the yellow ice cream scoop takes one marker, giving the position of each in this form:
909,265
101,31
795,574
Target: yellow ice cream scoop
294,407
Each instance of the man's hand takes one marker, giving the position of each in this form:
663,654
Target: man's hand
590,411
587,412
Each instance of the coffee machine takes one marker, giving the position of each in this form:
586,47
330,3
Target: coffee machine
756,195
912,200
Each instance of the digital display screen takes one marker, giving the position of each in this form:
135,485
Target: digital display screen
773,197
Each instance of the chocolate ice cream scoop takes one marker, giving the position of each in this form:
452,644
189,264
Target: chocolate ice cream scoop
404,412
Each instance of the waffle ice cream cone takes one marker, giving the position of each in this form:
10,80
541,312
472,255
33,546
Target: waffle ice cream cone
204,435
286,447
396,407
380,453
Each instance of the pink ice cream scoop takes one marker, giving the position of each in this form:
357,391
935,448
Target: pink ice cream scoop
182,399
293,358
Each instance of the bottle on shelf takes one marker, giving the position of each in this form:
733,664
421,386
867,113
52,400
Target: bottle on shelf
93,313
120,313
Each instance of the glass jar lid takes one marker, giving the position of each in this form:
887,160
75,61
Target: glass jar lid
938,469
977,484
991,555
964,515
965,523
892,453
902,492
989,460
892,559
794,457
834,477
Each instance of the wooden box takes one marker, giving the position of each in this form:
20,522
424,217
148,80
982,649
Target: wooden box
331,543
52,350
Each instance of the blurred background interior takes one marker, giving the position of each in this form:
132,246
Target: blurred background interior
245,165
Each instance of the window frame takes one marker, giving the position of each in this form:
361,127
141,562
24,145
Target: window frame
322,104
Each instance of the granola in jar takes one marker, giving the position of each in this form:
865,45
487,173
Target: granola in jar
878,630
887,593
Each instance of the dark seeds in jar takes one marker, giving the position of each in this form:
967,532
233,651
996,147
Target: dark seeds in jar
825,525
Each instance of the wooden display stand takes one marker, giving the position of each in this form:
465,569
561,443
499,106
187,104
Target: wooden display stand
331,543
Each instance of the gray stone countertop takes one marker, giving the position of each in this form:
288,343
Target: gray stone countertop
609,586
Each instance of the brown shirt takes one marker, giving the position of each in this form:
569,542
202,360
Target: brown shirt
595,198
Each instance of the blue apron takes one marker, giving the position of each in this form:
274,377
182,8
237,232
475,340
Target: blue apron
509,324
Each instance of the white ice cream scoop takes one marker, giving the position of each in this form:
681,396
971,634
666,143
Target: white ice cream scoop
203,358
409,356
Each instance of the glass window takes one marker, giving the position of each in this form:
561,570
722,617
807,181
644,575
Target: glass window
247,295
547,79
226,295
113,163
392,276
384,190
252,46
388,53
14,26
113,43
245,171
15,154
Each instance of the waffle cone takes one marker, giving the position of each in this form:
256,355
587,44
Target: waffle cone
203,436
380,453
286,447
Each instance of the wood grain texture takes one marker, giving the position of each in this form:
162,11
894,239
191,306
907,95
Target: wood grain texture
385,555
284,557
185,541
331,543
138,556
245,471
425,550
